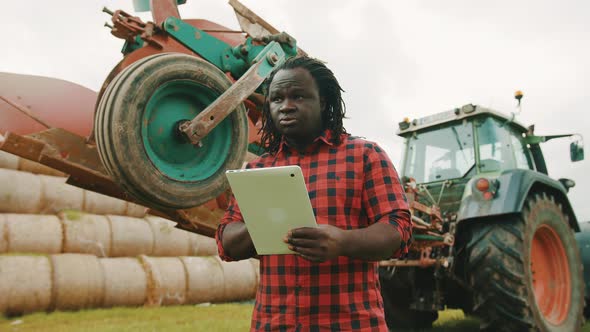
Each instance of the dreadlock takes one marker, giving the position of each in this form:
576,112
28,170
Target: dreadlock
329,89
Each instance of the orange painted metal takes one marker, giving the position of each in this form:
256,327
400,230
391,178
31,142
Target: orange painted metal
551,275
59,103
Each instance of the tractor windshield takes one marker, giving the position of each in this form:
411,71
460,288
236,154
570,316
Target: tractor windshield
440,154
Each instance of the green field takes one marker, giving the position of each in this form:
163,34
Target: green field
222,317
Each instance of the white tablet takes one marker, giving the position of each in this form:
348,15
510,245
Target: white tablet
272,200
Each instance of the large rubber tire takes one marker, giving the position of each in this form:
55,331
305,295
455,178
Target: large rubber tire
526,271
137,141
396,293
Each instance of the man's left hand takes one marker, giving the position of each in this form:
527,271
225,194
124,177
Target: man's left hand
316,244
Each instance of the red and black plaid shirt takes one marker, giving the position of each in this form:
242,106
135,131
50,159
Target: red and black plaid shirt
351,186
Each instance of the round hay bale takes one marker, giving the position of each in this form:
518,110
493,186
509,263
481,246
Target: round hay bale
135,210
25,284
166,280
168,241
201,245
58,195
241,280
125,282
3,234
8,160
20,192
78,282
30,166
100,204
32,233
205,279
86,233
130,237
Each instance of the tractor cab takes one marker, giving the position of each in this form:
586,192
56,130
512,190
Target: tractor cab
454,145
445,150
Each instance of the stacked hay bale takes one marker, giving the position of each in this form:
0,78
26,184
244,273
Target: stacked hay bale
64,248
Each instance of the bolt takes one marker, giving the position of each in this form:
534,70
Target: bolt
106,10
106,24
272,58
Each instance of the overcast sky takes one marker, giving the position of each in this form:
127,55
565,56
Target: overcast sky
395,59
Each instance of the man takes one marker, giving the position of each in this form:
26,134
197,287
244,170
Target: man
331,283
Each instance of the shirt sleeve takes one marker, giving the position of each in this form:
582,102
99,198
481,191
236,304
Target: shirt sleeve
383,195
232,214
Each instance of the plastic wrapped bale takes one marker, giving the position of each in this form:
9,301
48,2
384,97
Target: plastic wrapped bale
78,282
205,279
25,284
32,233
125,282
166,280
20,192
96,203
8,160
241,280
201,245
58,195
3,234
86,233
135,210
130,236
168,241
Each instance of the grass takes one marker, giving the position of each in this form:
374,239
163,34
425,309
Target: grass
222,317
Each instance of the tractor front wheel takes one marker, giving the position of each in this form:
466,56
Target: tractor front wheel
526,271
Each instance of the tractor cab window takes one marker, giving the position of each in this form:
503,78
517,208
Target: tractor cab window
440,154
495,146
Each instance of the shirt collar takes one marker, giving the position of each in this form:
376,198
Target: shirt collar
325,137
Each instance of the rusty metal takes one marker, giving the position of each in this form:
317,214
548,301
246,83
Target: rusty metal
128,27
68,153
162,9
423,261
254,25
251,23
196,129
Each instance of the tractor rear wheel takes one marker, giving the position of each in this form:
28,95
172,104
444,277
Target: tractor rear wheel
526,271
137,137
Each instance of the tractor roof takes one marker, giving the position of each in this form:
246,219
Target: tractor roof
467,111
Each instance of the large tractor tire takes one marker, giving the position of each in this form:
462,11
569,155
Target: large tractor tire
526,271
396,291
137,138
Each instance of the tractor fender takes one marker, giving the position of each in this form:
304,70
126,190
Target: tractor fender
513,187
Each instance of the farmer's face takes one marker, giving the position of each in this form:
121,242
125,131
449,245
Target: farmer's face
296,106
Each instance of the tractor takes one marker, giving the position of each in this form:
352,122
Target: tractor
493,233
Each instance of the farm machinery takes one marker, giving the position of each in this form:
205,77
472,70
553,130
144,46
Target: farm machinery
181,107
493,233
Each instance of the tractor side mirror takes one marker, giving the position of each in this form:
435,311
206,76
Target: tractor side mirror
576,151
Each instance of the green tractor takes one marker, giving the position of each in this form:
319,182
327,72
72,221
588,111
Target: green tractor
493,233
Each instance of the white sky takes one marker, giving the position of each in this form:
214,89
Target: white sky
393,58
